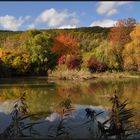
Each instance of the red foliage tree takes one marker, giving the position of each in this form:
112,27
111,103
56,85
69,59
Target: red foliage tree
62,60
64,44
120,33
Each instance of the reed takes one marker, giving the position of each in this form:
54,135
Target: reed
18,126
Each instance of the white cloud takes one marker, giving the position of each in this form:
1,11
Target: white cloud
103,23
112,12
54,18
67,27
11,22
109,8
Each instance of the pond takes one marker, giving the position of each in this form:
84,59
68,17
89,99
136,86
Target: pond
44,96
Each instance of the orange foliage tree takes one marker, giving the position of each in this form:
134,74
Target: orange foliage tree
64,44
120,35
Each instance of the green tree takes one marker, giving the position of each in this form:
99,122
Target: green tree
39,47
103,53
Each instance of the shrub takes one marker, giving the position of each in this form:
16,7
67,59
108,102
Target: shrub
74,62
102,67
96,66
63,74
92,65
62,60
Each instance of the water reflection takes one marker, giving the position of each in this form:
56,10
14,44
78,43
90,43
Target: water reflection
75,121
42,95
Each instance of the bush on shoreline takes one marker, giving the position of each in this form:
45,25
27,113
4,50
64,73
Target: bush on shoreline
74,62
96,66
62,74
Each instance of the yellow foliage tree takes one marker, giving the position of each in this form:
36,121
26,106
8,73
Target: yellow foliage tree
0,53
131,52
118,36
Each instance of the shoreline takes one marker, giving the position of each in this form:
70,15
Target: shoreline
104,75
116,75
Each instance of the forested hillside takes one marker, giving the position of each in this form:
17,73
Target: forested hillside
34,52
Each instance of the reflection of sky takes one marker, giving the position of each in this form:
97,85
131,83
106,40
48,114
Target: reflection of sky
5,109
6,106
74,121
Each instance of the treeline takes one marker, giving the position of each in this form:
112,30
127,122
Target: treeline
34,52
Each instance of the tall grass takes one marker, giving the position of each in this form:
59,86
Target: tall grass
71,74
62,129
18,126
119,125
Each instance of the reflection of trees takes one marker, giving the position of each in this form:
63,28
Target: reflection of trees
131,91
95,92
98,92
38,99
68,89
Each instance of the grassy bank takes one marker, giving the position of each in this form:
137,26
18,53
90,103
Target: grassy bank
117,75
86,75
71,75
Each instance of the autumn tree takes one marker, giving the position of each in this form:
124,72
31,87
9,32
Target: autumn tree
39,47
103,53
119,36
13,57
29,52
65,44
131,52
18,63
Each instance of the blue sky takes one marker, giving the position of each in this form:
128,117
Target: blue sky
45,15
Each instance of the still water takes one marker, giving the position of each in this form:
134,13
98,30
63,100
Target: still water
43,95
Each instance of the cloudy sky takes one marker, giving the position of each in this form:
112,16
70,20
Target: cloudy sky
45,15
